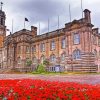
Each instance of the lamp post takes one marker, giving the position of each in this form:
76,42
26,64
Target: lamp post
72,62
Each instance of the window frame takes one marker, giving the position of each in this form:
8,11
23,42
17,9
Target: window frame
42,47
34,60
19,49
77,54
63,45
27,49
52,45
33,48
53,58
63,56
76,39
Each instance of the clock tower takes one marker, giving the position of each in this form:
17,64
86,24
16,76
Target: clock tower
2,26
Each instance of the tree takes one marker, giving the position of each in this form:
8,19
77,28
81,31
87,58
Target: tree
40,68
46,63
28,62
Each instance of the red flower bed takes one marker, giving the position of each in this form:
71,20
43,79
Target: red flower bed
28,89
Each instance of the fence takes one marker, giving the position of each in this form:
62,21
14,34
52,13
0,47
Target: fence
56,68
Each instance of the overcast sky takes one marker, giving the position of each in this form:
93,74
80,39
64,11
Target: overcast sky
40,10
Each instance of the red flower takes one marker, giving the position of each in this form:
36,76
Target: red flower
27,89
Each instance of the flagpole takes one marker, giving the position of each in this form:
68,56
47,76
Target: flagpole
12,26
39,28
24,23
48,25
58,21
1,5
82,7
70,13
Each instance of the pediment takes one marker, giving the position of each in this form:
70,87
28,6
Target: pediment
75,24
23,31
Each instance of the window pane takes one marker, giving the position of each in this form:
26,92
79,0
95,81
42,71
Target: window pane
63,57
53,58
76,38
19,49
42,58
63,43
19,60
34,60
34,48
52,45
95,52
42,47
76,54
27,49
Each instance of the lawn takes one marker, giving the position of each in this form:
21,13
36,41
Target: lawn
63,73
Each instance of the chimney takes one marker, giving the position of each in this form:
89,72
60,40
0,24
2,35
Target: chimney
96,30
34,30
87,15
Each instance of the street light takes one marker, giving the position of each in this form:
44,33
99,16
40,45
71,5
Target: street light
72,62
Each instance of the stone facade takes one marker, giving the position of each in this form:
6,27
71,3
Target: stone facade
76,46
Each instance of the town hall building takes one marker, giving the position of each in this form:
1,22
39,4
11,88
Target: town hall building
76,47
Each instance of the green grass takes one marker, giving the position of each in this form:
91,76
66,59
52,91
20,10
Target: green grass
63,73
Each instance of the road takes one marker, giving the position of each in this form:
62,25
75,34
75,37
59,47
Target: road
90,79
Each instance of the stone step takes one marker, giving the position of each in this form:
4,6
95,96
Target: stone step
83,69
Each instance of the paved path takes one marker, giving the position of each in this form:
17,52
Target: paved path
90,79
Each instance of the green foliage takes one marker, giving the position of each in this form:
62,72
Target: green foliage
40,68
28,62
46,62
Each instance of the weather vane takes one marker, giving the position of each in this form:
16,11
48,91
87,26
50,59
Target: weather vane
1,5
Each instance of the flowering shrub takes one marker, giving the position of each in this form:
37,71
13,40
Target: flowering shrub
28,89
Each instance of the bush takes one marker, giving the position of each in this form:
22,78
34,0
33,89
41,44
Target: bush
28,62
46,63
40,68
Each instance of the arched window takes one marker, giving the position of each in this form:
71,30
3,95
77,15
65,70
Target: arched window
27,49
53,58
63,43
76,38
95,52
42,47
33,48
19,60
53,45
27,59
34,59
77,54
63,56
42,58
19,49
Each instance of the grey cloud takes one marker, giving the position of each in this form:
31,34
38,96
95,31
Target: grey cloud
40,10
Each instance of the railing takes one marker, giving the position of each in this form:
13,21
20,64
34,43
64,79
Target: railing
55,69
26,69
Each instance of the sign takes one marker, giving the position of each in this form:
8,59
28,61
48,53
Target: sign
57,69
